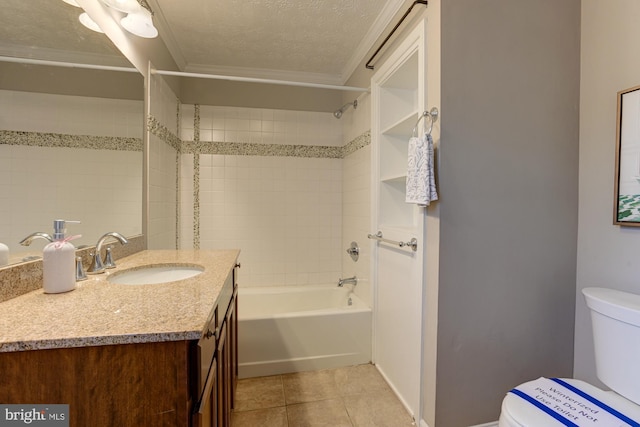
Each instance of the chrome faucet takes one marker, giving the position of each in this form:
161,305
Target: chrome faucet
352,280
38,235
97,266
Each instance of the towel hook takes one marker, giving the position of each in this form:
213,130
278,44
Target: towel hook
433,117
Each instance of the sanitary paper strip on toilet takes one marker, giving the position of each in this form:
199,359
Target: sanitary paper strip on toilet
569,405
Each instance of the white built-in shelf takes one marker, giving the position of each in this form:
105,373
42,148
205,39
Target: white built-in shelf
406,76
404,126
395,179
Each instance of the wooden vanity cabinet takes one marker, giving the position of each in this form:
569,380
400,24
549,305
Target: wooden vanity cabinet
224,369
144,384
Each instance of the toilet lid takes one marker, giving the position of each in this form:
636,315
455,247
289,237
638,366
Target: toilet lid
517,412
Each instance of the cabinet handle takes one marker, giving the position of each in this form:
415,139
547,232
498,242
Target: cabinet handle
209,333
238,265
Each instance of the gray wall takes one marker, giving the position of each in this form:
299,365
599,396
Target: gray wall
607,254
509,199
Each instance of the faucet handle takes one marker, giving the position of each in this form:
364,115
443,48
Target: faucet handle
80,274
108,259
96,267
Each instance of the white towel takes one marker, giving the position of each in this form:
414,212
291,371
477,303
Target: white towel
421,179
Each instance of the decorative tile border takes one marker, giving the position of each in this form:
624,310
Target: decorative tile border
196,177
61,140
356,144
252,149
178,172
278,150
158,129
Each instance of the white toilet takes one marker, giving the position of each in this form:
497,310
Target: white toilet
615,316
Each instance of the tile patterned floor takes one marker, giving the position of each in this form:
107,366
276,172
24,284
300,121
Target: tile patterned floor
352,396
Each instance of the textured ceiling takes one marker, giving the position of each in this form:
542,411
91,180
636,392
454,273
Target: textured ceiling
312,40
306,36
49,29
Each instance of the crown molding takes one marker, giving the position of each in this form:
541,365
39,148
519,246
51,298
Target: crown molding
390,9
166,35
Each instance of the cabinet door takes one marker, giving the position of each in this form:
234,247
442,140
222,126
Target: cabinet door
232,338
207,414
222,357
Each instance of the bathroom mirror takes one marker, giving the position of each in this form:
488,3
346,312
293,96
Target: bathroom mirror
70,138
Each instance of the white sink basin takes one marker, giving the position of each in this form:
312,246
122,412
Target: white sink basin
154,274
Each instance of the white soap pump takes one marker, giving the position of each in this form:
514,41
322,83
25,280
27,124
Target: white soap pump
59,261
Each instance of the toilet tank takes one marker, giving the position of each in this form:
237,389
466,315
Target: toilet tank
615,316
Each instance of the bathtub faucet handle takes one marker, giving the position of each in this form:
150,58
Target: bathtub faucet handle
354,251
353,280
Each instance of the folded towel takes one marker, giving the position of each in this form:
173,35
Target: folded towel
421,179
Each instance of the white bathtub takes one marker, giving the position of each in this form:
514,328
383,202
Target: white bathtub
300,328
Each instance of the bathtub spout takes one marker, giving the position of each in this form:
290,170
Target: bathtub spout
353,280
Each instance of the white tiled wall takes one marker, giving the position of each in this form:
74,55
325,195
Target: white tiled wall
356,121
284,213
164,103
186,232
101,188
163,169
264,126
74,115
162,195
356,198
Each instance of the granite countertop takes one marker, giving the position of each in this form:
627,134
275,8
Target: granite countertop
101,313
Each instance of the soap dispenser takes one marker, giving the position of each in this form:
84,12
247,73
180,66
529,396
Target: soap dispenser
59,261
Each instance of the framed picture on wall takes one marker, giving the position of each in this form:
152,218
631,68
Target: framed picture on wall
626,209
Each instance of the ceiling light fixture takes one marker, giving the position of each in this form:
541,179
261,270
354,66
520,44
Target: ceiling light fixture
126,6
140,24
89,23
138,19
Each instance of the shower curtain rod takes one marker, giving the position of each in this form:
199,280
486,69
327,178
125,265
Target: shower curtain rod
257,80
65,64
384,42
180,74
